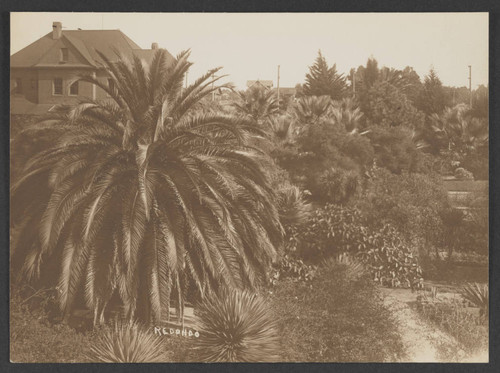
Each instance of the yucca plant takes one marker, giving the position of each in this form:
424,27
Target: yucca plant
127,342
354,266
478,295
236,326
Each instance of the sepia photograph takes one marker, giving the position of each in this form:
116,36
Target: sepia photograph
249,187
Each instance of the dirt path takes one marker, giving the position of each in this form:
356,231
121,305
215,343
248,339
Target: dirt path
421,339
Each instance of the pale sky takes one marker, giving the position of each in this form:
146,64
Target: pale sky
250,46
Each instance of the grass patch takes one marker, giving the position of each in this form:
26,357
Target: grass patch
34,338
335,318
463,323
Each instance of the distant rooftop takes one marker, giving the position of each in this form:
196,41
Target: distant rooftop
265,83
86,42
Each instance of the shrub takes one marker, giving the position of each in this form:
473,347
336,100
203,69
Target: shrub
291,267
235,326
35,338
385,105
334,230
413,203
462,174
127,342
338,186
395,149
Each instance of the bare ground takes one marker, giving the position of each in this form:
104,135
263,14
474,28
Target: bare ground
423,341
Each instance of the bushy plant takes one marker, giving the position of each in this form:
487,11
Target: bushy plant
127,342
291,267
338,186
385,105
236,326
334,230
391,260
413,203
462,174
35,337
395,149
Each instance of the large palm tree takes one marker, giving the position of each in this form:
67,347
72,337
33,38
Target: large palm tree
143,195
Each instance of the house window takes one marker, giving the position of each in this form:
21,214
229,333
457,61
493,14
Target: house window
33,83
19,86
64,54
58,86
73,89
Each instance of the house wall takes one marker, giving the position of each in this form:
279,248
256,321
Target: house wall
43,91
46,90
30,92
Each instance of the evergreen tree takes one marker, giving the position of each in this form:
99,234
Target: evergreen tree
323,80
371,73
432,99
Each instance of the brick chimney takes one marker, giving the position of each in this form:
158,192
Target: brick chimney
154,46
56,30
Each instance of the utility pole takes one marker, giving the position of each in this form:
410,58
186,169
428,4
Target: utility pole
213,92
470,86
354,82
278,87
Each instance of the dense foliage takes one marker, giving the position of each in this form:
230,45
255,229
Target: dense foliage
413,203
334,230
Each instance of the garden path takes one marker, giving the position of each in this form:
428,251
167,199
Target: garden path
421,339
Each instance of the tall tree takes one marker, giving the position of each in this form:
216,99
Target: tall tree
371,73
432,98
324,81
143,196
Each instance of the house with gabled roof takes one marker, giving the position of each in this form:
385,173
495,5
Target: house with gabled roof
43,73
267,84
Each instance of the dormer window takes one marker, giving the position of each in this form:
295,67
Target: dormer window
64,54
